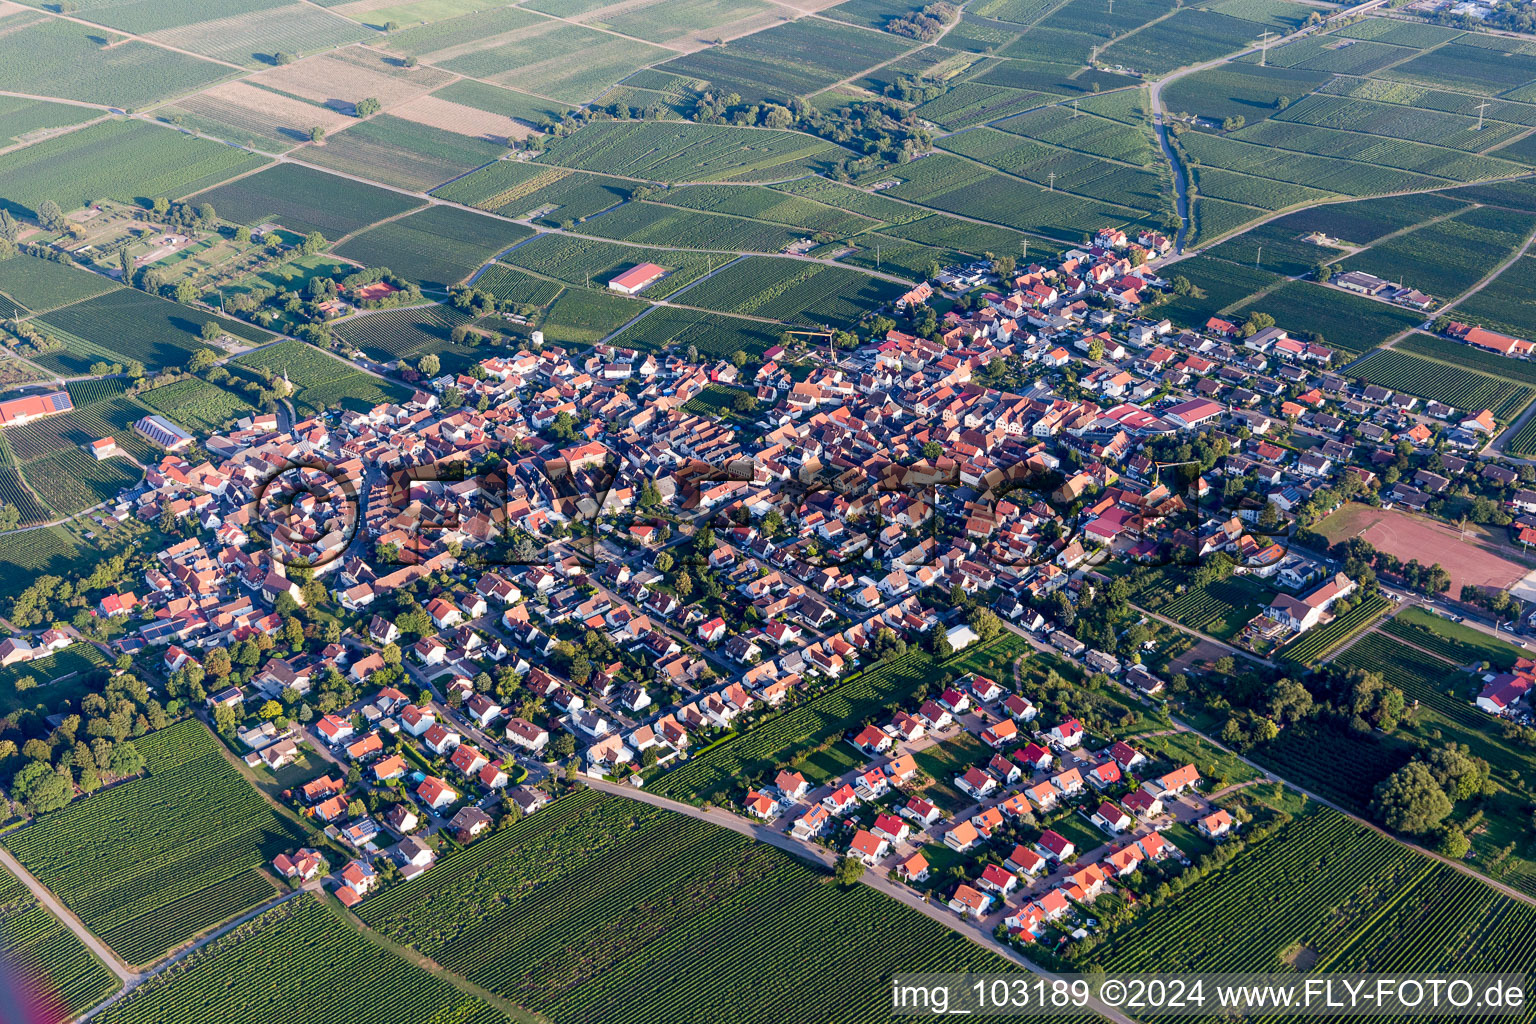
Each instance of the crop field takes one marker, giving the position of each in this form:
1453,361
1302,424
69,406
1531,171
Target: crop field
103,418
1275,249
26,556
1240,90
129,324
973,103
1456,643
322,382
1221,608
515,189
305,200
1457,131
496,100
583,316
405,333
1477,66
202,407
1196,35
241,112
70,481
1216,285
512,285
1346,323
1074,172
1449,256
47,963
665,20
1425,98
761,203
1315,644
339,78
1367,220
592,262
944,232
1290,153
395,151
1508,302
252,37
286,965
853,200
653,224
565,62
1378,906
464,31
804,730
39,286
1466,390
667,151
1226,187
633,893
791,290
19,118
437,247
713,334
131,161
65,675
71,59
1086,133
13,491
787,60
144,864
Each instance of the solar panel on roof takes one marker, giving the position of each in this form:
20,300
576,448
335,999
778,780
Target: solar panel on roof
60,401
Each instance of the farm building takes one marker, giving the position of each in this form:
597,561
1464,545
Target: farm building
103,448
163,432
30,407
636,279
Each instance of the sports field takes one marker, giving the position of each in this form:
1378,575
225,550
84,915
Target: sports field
1466,557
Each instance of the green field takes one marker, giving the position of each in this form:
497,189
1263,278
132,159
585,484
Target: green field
286,966
321,381
394,151
789,59
1508,302
593,262
436,247
149,863
508,103
60,676
44,961
72,60
20,118
691,152
305,200
1466,390
595,908
713,334
1344,322
1459,644
1449,256
517,189
1316,643
1220,608
131,161
70,481
580,316
768,204
409,334
201,407
39,286
129,324
1457,354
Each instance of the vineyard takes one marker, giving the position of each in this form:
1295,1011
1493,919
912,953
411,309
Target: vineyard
202,407
129,324
407,333
711,333
591,262
302,199
1331,760
691,152
1466,390
395,151
1313,645
1274,903
104,417
95,389
1455,643
151,862
791,290
298,961
513,188
322,381
1347,323
71,481
1220,608
39,954
596,910
62,675
436,248
42,285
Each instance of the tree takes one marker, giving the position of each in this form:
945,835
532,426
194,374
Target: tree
664,561
271,710
1410,800
1453,842
50,216
745,403
429,364
985,623
683,584
127,760
1233,123
848,871
316,134
1096,349
224,719
366,107
932,450
41,788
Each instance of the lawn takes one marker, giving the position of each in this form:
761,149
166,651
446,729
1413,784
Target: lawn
944,761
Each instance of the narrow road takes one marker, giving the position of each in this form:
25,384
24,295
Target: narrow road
67,918
825,859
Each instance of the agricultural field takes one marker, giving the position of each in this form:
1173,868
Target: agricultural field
33,553
149,863
1378,907
972,103
1276,249
436,247
409,334
573,956
1344,322
1241,90
1508,302
653,224
305,200
791,290
761,203
105,417
1456,643
321,381
496,100
65,675
1465,390
1315,644
49,967
592,262
21,119
286,965
199,406
1447,257
70,481
1075,172
670,152
130,161
509,284
1220,608
712,334
243,113
582,316
551,195
40,286
790,59
72,59
1458,354
394,151
1365,221
129,324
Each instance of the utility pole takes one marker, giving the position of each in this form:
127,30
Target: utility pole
1111,6
1075,111
1264,49
1258,256
1053,181
1481,108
